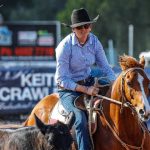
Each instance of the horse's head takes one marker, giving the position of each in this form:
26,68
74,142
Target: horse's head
135,85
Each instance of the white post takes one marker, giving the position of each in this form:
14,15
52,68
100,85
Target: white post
111,52
130,39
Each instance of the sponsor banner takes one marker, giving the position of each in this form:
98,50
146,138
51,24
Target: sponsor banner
22,88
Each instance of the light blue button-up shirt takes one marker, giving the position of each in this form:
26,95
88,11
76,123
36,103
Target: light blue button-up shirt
74,61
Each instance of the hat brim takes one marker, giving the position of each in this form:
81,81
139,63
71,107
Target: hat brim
81,23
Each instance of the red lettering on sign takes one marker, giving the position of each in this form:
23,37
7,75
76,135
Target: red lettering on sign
44,51
27,51
24,51
50,52
6,51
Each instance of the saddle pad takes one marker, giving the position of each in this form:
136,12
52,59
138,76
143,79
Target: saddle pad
59,113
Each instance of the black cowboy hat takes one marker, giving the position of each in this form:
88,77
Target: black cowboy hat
80,17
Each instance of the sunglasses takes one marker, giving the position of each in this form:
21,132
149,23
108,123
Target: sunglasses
86,26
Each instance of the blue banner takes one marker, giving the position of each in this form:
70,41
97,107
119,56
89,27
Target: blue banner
22,87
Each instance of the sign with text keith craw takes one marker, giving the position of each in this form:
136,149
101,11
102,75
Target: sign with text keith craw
29,39
22,87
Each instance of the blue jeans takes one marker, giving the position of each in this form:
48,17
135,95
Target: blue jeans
67,98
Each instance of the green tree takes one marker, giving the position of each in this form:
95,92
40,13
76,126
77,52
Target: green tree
115,17
31,9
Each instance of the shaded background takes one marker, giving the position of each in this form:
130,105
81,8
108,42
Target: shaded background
112,29
115,17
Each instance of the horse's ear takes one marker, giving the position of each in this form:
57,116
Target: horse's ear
142,61
122,62
40,125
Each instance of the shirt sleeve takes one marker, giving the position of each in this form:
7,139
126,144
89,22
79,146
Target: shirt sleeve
63,74
102,62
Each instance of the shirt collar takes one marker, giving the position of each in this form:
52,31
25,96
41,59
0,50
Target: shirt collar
75,41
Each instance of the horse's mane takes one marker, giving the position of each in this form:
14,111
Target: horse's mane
127,62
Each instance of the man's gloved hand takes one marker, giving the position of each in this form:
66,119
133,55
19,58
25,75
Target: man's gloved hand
92,90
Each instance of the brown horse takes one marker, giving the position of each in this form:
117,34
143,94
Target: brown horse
120,122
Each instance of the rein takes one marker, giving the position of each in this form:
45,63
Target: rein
125,145
112,100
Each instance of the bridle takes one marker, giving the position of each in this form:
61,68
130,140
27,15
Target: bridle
123,95
123,102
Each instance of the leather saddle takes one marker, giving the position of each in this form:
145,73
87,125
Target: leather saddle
81,102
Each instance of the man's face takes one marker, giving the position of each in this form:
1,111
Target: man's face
82,31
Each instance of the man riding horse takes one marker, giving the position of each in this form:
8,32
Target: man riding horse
122,116
75,55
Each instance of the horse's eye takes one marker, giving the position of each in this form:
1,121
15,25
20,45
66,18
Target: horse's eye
128,76
129,84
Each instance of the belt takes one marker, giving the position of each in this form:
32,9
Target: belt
87,81
82,81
